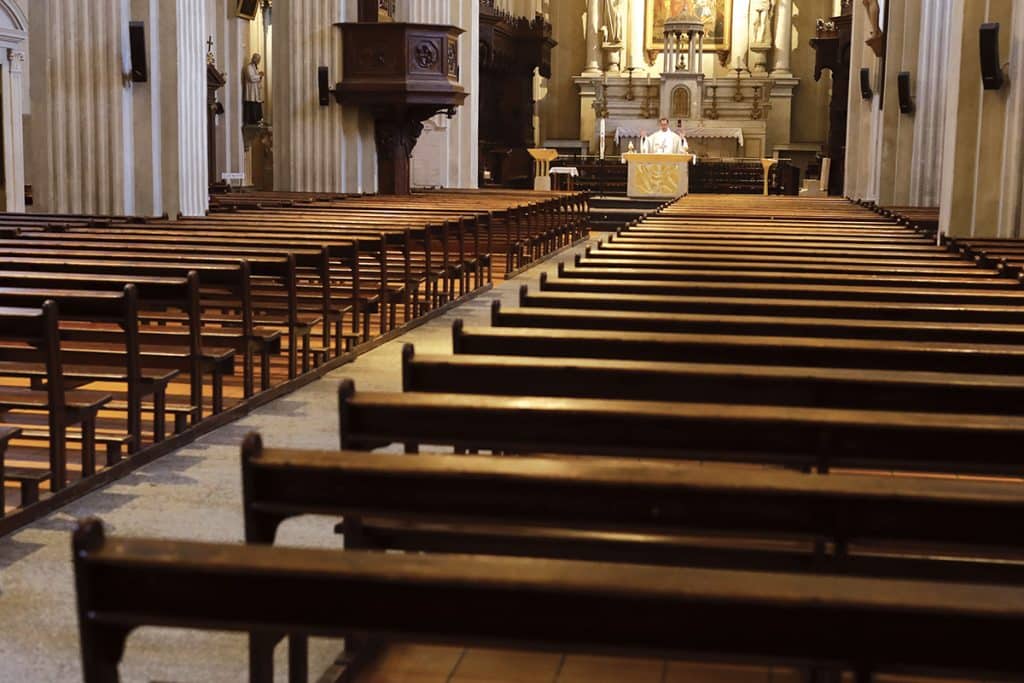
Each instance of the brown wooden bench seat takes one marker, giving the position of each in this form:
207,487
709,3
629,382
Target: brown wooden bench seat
767,326
752,384
261,263
650,512
740,274
784,435
646,511
143,374
1010,296
743,349
29,338
124,583
820,308
737,264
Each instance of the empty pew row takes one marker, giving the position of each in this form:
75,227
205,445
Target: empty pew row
603,514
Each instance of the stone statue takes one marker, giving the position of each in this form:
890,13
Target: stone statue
612,21
252,96
762,11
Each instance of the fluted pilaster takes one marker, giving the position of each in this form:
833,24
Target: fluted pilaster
326,149
930,92
77,128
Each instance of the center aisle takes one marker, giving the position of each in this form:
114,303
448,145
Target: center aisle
195,493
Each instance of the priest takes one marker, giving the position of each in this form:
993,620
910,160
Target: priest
665,141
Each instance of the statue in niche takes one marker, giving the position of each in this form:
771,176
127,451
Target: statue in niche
612,28
252,97
761,11
876,41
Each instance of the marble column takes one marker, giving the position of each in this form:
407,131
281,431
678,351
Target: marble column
930,94
14,139
228,31
593,24
783,38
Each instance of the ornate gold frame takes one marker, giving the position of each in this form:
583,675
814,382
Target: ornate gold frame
654,37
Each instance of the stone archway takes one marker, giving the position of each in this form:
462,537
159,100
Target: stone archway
13,32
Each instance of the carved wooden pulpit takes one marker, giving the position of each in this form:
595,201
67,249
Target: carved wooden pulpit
403,74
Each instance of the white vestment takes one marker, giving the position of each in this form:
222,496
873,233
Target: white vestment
664,142
253,84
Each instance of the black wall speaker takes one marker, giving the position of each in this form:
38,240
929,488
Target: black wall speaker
865,84
991,69
903,84
323,86
137,47
247,8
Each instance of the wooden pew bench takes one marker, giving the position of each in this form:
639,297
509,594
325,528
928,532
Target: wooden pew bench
738,264
1009,296
766,326
820,308
752,384
743,349
124,583
143,374
740,274
29,338
783,435
645,511
287,316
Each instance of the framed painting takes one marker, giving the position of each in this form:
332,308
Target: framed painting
717,16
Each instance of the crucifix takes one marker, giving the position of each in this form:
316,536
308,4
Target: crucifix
210,59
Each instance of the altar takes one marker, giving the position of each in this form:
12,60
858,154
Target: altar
658,176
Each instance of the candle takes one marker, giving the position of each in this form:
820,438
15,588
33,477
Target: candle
602,134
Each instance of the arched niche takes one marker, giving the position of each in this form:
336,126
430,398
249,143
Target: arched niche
680,103
13,32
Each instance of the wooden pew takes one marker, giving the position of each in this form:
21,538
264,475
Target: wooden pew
775,306
220,280
123,583
143,373
743,349
755,325
30,342
924,280
1009,296
645,511
752,384
787,435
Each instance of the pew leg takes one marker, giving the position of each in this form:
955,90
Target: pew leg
298,658
261,657
89,446
218,391
102,649
159,416
265,370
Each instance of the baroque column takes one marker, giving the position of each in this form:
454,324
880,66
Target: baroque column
593,67
783,38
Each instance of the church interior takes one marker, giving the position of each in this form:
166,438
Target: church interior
467,341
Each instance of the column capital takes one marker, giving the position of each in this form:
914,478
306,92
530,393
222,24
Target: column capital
16,60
